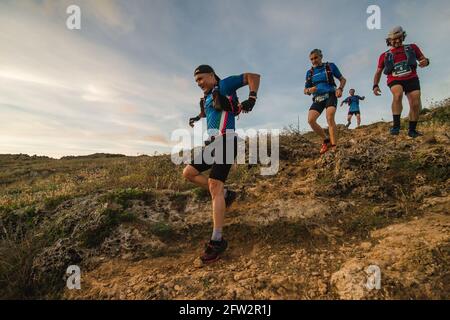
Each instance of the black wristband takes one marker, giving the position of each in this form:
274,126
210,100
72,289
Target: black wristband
375,86
252,94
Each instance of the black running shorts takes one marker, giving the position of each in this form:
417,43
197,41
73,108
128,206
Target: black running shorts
319,106
408,85
220,168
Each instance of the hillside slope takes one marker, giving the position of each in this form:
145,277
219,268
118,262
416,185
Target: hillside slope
136,228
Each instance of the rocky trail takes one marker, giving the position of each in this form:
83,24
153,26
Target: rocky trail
309,232
262,271
294,238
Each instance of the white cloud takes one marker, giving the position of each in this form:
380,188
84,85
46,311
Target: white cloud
124,82
74,86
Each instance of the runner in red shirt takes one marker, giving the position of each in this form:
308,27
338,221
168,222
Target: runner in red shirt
399,63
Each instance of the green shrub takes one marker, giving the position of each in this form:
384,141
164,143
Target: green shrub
110,220
125,196
162,230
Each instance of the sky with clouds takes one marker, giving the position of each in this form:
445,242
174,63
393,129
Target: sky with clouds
123,83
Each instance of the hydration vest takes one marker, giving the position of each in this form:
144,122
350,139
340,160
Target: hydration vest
225,103
389,59
329,73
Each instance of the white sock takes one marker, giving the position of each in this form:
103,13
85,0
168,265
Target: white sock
217,234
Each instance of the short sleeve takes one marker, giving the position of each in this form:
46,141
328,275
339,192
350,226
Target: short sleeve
335,71
307,84
417,51
381,61
230,85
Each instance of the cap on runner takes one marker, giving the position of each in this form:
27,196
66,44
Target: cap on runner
204,68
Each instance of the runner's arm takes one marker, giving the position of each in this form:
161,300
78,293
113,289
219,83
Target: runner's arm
342,82
376,81
252,80
338,75
309,86
202,113
423,61
310,91
377,77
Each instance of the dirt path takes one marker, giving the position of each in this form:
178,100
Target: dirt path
256,270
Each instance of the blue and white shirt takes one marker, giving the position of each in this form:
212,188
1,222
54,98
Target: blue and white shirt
220,121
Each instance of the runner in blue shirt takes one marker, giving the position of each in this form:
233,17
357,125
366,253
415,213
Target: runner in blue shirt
353,102
320,83
219,105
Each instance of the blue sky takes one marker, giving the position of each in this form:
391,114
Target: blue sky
124,82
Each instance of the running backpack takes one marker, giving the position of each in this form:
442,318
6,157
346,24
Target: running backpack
389,59
225,103
329,73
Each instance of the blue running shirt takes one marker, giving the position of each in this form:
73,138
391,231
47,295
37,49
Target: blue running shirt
223,120
319,79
